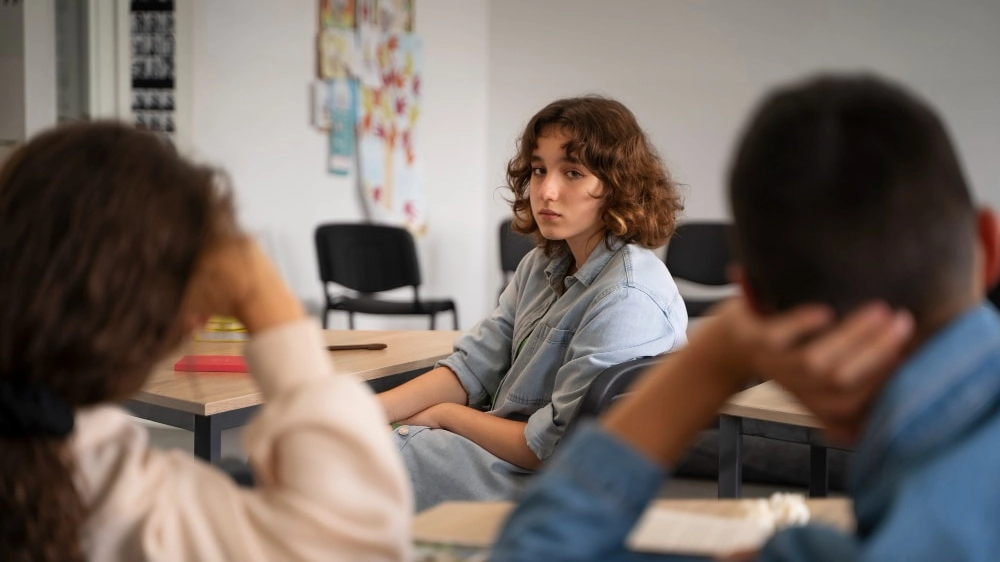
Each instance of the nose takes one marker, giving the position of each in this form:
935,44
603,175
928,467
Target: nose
548,190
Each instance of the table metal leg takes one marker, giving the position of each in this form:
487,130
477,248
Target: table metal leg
207,438
730,456
819,475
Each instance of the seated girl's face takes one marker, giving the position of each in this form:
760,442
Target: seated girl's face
566,197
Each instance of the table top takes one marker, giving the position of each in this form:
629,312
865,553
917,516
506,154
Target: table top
477,524
213,393
769,402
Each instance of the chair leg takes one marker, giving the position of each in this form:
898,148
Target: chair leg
433,319
350,320
454,317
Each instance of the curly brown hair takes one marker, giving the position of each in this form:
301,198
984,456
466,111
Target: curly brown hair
101,227
641,201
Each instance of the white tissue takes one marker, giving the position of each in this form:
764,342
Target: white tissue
779,511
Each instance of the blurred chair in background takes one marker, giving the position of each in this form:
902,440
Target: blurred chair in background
369,259
513,247
698,257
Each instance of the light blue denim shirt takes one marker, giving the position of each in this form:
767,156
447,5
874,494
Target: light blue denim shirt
551,334
925,483
534,357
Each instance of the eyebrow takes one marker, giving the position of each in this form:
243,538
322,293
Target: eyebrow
567,158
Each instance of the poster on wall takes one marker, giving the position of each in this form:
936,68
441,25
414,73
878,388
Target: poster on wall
387,117
336,14
342,94
152,48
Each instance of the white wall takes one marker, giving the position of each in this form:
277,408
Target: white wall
27,69
691,70
252,63
39,66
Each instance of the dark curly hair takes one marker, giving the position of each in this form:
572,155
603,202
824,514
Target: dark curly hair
641,201
101,227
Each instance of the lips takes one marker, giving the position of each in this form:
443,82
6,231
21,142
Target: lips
548,213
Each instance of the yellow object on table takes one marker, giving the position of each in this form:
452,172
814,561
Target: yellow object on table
222,328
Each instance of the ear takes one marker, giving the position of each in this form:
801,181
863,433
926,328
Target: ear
988,242
738,277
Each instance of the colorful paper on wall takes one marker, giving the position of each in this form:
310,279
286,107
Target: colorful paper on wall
395,16
343,112
336,53
388,115
336,14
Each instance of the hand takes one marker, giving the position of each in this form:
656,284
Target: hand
838,374
235,278
835,370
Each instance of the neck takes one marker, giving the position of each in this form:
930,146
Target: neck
582,250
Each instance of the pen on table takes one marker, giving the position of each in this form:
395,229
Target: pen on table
353,346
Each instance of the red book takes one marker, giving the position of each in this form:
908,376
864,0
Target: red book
212,363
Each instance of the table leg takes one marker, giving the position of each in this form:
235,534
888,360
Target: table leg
819,475
730,456
207,438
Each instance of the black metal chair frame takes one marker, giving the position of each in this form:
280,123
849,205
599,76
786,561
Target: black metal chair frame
369,259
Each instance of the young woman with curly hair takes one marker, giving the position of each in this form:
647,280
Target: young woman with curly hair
590,188
113,248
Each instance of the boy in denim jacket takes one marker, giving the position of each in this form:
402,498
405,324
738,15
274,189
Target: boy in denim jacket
848,202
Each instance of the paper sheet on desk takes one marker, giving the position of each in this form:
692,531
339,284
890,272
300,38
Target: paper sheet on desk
681,532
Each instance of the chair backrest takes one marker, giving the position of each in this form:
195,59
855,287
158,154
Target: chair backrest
367,258
513,247
610,384
700,252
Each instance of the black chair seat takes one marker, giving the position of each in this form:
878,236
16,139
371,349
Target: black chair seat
367,305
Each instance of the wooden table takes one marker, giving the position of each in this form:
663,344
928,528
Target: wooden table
477,524
208,403
767,402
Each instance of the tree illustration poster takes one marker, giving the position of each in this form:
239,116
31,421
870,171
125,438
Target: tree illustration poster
388,112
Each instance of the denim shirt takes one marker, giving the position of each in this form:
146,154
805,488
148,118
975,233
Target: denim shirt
925,483
551,334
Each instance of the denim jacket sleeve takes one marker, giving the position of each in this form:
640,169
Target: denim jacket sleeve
583,505
622,324
483,354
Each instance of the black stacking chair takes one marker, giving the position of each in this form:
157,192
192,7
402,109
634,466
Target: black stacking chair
513,247
700,252
369,259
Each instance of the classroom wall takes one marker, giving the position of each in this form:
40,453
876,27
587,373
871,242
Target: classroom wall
691,71
253,61
27,70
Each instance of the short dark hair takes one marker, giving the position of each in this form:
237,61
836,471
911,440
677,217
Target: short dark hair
846,189
641,200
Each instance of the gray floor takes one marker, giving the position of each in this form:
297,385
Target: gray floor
166,437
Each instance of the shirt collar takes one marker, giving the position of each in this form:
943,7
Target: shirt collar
598,258
939,391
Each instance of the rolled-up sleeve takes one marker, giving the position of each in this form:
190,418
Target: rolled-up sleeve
483,355
623,324
331,485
